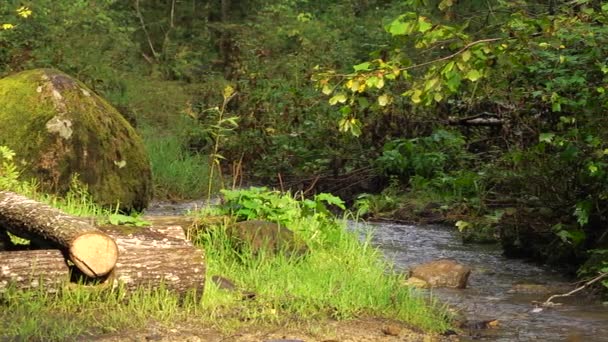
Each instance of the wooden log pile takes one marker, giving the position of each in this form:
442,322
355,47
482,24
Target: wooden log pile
111,256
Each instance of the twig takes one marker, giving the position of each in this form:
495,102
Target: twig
549,302
465,48
312,185
281,182
143,26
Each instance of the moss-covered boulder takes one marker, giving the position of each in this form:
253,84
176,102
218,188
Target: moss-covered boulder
58,127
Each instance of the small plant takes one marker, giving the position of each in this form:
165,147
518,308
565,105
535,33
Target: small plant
272,205
9,174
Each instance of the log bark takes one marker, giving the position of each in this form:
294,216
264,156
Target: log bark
31,269
149,257
92,252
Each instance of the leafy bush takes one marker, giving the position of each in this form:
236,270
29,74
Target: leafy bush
425,157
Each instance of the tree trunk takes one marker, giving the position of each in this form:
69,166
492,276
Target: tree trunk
149,257
92,252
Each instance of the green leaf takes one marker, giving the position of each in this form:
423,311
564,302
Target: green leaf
424,25
473,75
546,137
466,56
399,28
365,66
330,199
582,212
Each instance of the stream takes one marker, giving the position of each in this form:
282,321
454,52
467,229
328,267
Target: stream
490,292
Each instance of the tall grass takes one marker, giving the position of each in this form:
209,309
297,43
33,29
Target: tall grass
177,173
343,279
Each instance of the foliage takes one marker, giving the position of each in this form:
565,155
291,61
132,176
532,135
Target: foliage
9,174
261,203
425,156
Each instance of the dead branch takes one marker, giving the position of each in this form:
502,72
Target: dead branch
549,302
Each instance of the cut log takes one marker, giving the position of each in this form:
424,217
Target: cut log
149,257
92,252
30,269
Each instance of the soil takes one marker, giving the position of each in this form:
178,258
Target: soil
359,330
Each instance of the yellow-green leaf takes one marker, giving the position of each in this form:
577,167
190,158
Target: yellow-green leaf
326,89
438,97
228,91
384,99
430,84
473,75
466,56
416,96
424,24
445,4
338,98
462,225
24,12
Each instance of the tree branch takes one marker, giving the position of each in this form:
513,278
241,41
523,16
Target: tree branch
549,302
463,49
143,26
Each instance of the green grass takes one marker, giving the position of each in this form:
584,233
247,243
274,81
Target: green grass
342,278
78,311
177,173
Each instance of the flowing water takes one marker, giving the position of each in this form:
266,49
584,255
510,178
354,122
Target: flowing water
490,293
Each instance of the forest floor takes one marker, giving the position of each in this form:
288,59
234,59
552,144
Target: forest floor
358,330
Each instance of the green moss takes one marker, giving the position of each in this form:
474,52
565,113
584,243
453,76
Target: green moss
95,141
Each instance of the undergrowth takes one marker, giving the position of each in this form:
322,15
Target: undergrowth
340,277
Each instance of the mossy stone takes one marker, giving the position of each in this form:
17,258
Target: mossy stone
58,127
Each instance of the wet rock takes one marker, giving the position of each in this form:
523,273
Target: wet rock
270,237
58,128
442,273
417,282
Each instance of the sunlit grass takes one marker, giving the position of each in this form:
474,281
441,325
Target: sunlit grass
176,172
343,279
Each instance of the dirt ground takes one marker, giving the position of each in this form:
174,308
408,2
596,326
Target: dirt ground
360,330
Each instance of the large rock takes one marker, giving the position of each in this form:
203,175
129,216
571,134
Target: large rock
442,273
58,127
266,236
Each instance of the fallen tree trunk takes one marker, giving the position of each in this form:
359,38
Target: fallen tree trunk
92,252
149,257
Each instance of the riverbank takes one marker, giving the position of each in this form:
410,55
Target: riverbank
358,330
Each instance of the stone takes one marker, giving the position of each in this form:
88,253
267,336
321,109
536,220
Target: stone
59,128
442,273
417,283
258,236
